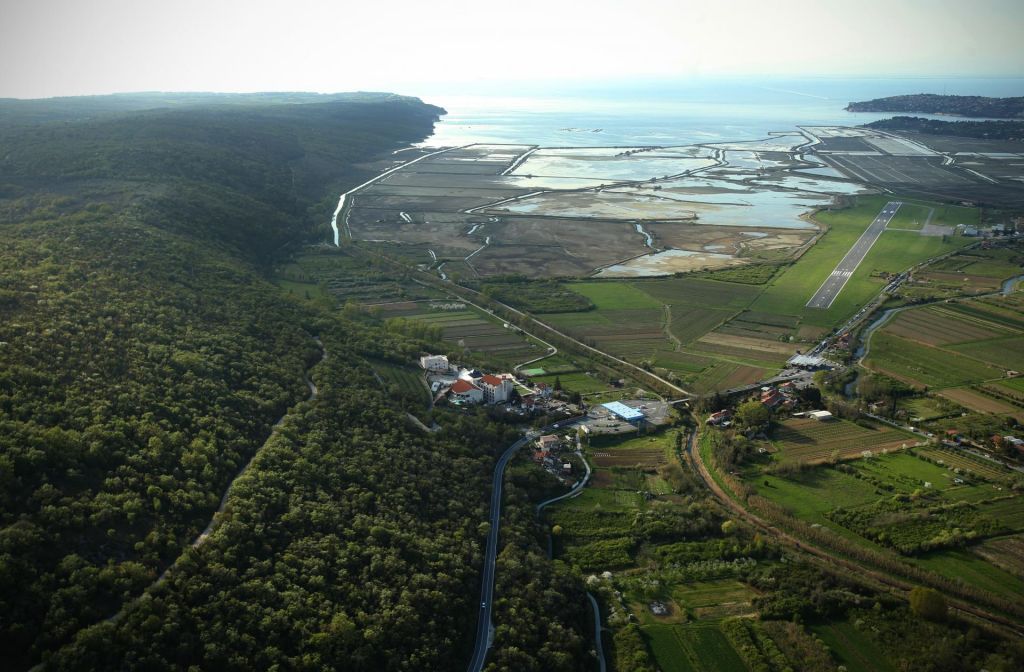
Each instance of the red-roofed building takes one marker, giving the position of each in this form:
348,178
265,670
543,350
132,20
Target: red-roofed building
463,390
495,389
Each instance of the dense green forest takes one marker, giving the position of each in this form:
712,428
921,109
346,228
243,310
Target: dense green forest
145,359
932,103
991,130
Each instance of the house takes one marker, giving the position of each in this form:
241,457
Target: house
544,390
719,417
772,399
437,363
548,441
466,392
496,390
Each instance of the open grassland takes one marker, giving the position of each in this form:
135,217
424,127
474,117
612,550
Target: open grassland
893,252
697,648
812,493
908,473
910,216
853,648
811,441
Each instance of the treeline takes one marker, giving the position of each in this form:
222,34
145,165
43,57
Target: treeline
143,362
931,103
353,541
988,130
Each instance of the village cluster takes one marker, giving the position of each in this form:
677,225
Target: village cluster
464,386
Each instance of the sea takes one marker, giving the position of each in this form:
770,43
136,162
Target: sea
673,112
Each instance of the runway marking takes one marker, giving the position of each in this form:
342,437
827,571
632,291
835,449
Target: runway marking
844,270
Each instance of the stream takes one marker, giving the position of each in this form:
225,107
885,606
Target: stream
865,336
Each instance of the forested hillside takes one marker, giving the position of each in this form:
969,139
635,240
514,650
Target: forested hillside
144,359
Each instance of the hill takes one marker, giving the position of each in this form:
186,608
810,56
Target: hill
990,130
145,359
930,103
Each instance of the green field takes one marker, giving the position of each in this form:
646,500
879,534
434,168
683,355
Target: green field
893,252
696,648
405,380
854,649
614,295
576,381
969,568
923,365
811,441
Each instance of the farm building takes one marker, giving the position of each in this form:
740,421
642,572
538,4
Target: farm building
627,413
820,416
434,362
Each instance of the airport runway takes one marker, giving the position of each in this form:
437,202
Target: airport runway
835,282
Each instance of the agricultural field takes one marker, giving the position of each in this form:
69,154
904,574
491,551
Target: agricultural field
972,567
642,452
977,401
952,345
468,330
1007,553
853,648
812,442
925,366
692,648
347,276
965,463
714,600
683,326
406,382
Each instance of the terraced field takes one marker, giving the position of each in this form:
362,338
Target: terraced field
468,329
812,442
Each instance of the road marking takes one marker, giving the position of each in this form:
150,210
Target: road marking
844,270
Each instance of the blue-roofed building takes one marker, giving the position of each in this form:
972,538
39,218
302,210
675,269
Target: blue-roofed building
627,413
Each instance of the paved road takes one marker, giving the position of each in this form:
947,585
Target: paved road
483,625
835,282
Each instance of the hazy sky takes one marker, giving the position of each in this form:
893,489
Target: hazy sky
68,47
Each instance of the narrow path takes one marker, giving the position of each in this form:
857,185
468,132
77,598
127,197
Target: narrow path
667,327
216,517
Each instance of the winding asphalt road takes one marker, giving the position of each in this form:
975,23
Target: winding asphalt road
484,627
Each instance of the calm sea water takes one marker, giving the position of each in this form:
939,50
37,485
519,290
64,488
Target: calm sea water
675,113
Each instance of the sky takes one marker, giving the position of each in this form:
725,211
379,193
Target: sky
75,47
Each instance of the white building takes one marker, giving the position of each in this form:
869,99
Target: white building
434,362
495,389
465,391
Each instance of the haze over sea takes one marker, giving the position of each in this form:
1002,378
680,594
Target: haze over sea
677,113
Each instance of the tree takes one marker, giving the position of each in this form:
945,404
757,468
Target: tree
753,414
928,603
